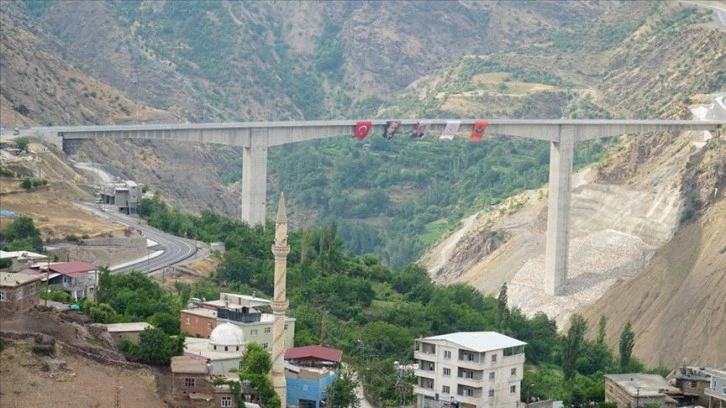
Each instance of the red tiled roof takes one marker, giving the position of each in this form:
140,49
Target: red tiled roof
317,352
70,267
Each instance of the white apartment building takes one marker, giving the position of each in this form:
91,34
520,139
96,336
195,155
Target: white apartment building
716,391
468,370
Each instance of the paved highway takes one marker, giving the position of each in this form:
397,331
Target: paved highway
170,250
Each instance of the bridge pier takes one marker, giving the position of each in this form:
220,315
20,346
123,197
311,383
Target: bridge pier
254,177
558,211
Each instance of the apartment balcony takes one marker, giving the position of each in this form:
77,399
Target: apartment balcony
424,373
428,392
422,355
714,393
470,365
471,382
473,400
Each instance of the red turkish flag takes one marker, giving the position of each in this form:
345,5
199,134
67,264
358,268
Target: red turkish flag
362,127
477,132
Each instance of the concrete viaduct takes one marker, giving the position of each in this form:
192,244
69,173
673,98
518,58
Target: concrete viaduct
256,137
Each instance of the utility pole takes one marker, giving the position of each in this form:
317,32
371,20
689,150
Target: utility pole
637,396
117,389
324,327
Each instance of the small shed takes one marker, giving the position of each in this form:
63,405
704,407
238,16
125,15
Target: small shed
126,331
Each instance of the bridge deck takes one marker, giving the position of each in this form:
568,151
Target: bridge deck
278,133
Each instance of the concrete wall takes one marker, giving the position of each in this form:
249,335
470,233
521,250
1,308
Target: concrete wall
197,326
12,306
118,337
179,389
308,389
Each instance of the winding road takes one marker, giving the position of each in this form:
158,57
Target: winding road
170,250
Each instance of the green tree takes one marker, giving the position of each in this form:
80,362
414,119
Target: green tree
341,392
165,321
103,313
157,347
571,344
21,234
22,144
502,307
256,366
26,184
627,342
601,327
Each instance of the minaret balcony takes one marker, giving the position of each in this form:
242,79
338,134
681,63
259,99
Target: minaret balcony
280,251
279,306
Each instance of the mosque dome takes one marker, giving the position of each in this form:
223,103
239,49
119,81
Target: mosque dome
227,335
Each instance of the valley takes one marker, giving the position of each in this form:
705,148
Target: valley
375,222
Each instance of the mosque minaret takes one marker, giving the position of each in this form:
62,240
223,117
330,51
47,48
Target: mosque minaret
280,248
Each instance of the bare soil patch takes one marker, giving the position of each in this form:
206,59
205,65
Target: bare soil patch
31,380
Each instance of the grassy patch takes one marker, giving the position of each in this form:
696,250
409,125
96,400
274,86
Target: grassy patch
434,230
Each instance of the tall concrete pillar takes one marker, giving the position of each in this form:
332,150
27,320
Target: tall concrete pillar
254,178
280,248
558,211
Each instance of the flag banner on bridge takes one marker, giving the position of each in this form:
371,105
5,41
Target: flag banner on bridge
392,127
452,126
420,129
362,127
477,132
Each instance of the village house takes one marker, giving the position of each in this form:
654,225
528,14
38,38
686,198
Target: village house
79,279
194,387
308,373
636,390
127,331
18,293
244,311
20,260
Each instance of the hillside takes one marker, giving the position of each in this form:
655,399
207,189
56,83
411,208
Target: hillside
215,61
676,304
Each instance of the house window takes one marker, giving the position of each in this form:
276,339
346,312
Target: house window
226,348
253,332
2,296
491,376
445,389
467,356
514,372
19,293
513,389
447,355
491,393
209,326
447,372
264,346
187,320
268,330
226,402
494,358
468,392
189,382
285,327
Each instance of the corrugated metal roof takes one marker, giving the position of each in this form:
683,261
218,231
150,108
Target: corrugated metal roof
69,267
318,352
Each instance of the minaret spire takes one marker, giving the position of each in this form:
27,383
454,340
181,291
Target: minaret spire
280,248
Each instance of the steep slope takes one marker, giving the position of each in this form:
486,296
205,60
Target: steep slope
676,304
38,86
